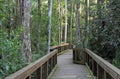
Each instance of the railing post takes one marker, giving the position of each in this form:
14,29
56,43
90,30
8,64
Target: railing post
37,76
55,59
97,71
93,66
52,65
85,57
88,61
105,75
47,65
40,72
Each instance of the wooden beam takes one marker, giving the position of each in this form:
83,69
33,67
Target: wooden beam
28,70
113,71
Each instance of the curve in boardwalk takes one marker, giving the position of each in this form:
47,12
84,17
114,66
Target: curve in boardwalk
68,70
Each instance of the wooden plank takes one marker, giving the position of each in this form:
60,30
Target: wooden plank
28,70
105,75
108,67
61,45
40,72
93,66
98,72
68,70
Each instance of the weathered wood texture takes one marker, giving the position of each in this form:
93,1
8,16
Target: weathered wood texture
61,47
68,70
104,69
78,56
41,68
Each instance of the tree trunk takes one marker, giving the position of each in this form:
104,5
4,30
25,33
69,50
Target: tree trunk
86,23
71,22
78,29
17,13
38,27
77,22
26,35
59,20
65,21
49,24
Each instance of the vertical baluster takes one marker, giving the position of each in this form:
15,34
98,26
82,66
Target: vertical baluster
108,76
52,62
41,72
55,59
93,66
88,60
85,57
105,75
47,65
75,54
98,73
37,76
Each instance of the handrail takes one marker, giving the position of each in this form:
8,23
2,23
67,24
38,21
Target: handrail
100,67
61,47
42,67
54,47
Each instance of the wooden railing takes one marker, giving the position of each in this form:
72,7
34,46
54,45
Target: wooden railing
39,69
61,47
78,56
101,68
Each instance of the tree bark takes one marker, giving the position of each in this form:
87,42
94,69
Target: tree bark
65,21
49,24
86,23
71,23
59,19
26,35
77,22
78,29
38,26
17,13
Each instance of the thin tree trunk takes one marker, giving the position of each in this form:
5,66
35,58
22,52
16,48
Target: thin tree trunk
9,20
77,22
78,29
17,13
86,23
65,21
59,20
71,23
49,24
38,28
26,35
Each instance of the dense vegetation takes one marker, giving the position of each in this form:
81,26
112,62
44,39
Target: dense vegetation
94,24
105,39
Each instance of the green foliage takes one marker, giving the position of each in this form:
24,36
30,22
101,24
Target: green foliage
105,33
10,56
116,61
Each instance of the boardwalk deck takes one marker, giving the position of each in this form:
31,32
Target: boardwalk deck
68,70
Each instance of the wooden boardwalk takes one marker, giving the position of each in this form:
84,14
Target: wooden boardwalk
66,69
